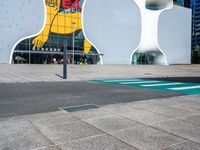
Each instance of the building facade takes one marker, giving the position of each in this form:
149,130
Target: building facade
63,31
195,6
95,32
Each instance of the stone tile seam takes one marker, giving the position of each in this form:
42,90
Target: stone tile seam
173,134
42,148
179,106
164,114
61,124
37,129
107,133
150,124
178,144
101,117
119,114
62,143
177,118
188,122
169,133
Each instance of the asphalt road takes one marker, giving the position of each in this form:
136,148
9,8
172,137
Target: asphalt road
38,97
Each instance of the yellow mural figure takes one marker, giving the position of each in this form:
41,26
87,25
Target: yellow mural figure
60,23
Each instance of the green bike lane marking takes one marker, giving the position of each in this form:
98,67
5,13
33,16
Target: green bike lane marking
168,86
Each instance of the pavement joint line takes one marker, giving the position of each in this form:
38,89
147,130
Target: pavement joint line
181,107
42,133
61,143
188,139
176,118
81,139
170,133
93,118
166,114
148,111
62,123
42,148
109,134
150,125
173,145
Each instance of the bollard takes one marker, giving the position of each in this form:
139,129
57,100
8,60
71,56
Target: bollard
65,61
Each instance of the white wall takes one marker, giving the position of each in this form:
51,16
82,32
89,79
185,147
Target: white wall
18,19
174,35
114,27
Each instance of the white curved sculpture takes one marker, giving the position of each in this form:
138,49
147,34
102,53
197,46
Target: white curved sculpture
150,11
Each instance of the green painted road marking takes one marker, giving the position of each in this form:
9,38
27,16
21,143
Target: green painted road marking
168,86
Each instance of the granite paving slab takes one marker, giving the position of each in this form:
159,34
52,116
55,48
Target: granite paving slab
168,110
52,121
147,138
194,119
145,117
70,131
191,106
120,108
92,113
104,142
188,145
112,123
21,136
180,128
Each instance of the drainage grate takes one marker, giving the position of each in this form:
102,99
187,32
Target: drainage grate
80,107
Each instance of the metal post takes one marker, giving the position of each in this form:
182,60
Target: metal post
29,53
65,61
73,41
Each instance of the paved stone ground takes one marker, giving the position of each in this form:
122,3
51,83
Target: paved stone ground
167,124
33,73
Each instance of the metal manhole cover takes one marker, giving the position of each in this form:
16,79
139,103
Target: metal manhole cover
80,107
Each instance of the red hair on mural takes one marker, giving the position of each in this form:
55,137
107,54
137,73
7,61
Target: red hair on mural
69,3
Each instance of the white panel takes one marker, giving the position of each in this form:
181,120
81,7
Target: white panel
174,35
114,27
18,19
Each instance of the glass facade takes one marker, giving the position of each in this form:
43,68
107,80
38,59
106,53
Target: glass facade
195,6
179,2
63,29
144,58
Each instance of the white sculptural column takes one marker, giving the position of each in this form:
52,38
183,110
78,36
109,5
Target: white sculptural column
150,11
